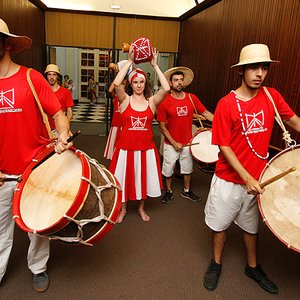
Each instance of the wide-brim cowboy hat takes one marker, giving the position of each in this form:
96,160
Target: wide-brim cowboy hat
188,74
254,53
52,68
18,43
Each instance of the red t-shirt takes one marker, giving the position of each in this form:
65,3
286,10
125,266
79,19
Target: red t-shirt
65,98
23,133
258,118
178,116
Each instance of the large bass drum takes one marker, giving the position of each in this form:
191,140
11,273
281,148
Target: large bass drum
69,197
279,205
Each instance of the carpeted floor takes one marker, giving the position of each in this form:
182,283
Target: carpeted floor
163,259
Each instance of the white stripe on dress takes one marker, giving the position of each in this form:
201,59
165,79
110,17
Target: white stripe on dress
153,184
120,172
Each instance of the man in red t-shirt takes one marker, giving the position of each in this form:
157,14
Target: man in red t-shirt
22,136
242,129
175,117
63,94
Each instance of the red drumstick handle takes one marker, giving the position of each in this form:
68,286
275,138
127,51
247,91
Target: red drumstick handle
276,177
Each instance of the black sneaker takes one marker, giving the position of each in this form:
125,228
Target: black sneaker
166,198
190,195
40,282
261,278
212,276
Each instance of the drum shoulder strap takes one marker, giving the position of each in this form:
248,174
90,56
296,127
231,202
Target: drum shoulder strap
198,117
44,115
286,135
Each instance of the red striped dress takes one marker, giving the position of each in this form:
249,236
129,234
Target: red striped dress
135,162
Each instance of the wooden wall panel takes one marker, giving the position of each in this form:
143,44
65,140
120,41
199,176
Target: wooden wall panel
84,30
79,30
163,34
24,18
210,43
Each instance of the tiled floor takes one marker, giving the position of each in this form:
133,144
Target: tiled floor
90,113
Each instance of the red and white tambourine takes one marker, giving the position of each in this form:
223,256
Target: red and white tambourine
142,48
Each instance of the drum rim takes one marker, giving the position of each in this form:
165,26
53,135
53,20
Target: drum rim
259,200
191,151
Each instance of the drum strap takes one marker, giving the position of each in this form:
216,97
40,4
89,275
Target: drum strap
44,116
286,135
198,117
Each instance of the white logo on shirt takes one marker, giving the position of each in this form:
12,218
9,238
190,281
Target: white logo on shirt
138,123
255,122
181,111
7,101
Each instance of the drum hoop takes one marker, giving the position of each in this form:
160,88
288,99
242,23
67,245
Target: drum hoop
191,147
259,200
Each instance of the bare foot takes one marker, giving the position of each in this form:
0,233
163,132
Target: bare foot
144,216
121,216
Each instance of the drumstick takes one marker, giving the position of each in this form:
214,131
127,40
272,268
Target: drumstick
276,177
11,178
187,145
70,139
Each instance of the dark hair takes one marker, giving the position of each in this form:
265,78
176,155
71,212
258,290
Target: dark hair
3,36
176,73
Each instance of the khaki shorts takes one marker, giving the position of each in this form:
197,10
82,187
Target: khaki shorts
170,158
228,202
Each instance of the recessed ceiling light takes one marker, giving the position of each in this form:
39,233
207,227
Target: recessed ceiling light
115,6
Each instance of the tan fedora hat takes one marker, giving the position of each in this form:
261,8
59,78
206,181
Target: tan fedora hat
52,68
254,53
188,74
18,43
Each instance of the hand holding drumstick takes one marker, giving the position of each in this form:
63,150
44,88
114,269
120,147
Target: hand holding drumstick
276,177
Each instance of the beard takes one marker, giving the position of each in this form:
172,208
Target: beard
178,89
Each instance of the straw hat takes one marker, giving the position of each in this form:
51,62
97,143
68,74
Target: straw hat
52,68
18,43
188,74
254,53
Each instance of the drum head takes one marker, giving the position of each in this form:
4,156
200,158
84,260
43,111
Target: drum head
204,151
280,203
50,190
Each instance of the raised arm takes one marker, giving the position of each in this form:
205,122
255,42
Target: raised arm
165,87
119,89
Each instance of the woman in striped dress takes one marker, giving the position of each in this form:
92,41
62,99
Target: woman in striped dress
135,161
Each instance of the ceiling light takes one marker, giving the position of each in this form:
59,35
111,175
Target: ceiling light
115,6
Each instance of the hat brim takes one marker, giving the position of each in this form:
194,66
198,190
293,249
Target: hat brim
187,73
254,61
18,43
